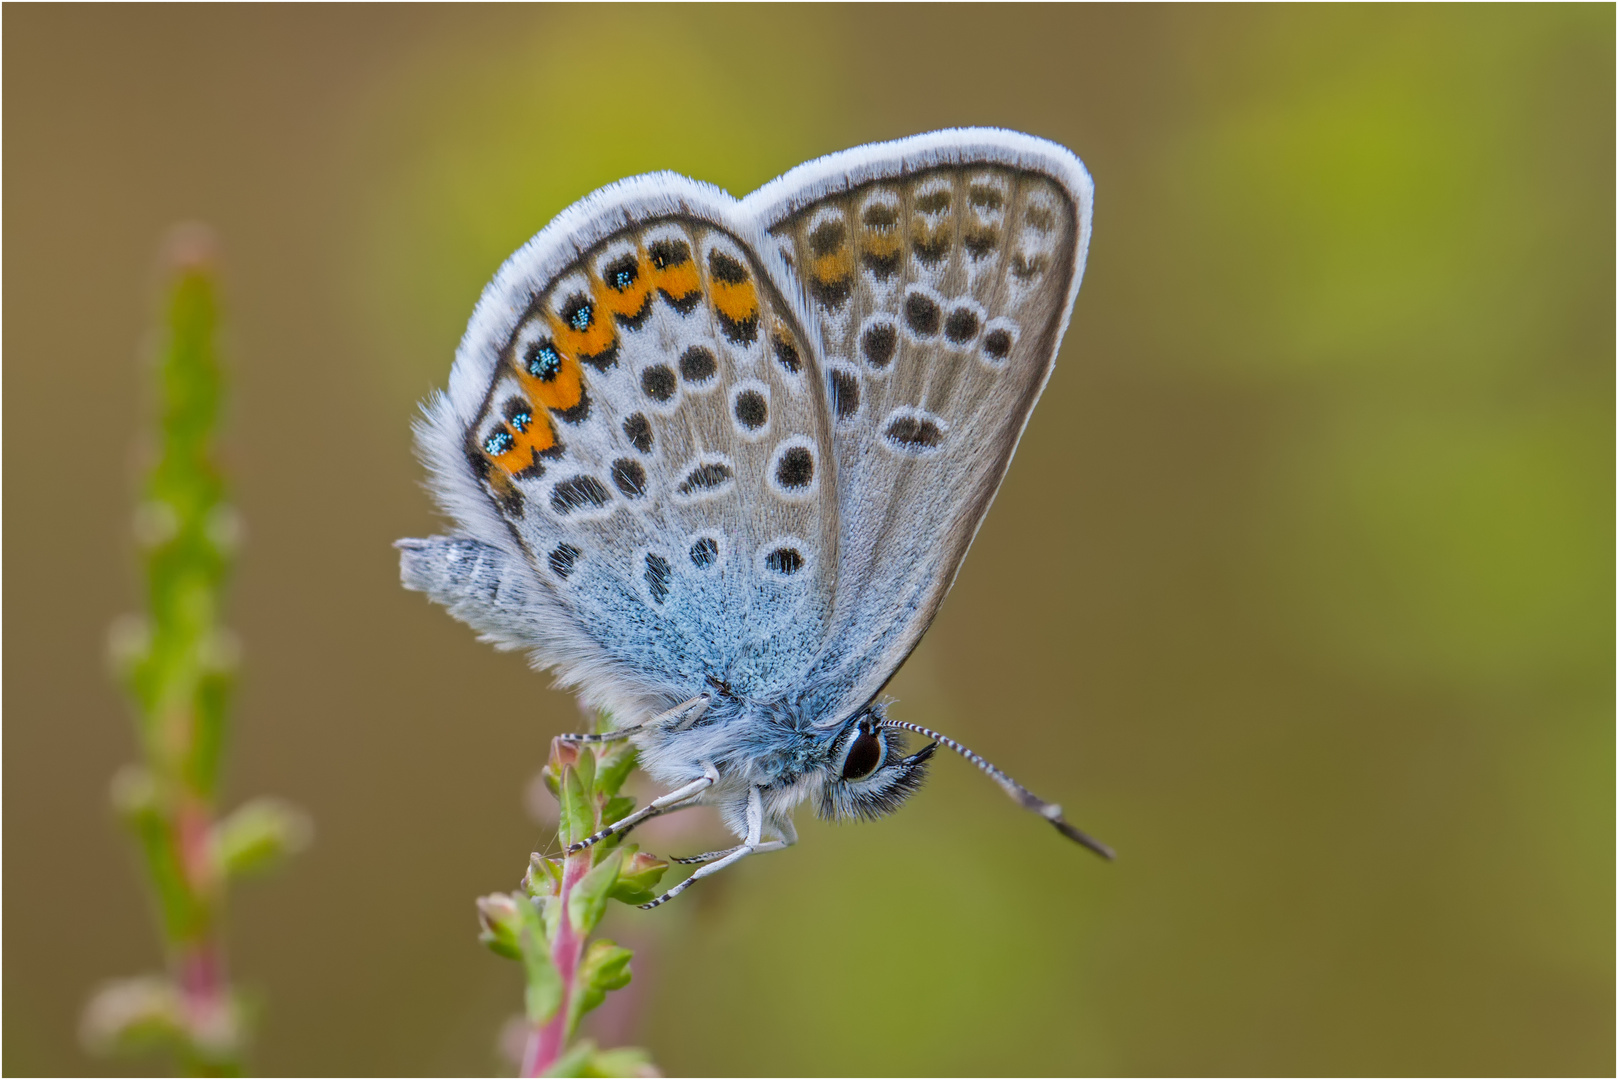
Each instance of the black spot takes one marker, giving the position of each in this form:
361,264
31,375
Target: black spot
922,314
784,561
827,237
883,266
1041,219
878,343
985,197
722,267
997,344
621,274
795,468
667,253
934,201
604,360
542,361
562,559
519,414
981,244
961,326
498,441
705,478
752,411
578,312
845,393
740,331
638,430
658,573
578,492
705,552
786,353
913,433
880,216
579,413
697,364
831,292
931,250
658,382
630,477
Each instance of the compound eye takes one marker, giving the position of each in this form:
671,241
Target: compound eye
864,756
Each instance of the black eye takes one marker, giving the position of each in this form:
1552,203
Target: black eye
863,757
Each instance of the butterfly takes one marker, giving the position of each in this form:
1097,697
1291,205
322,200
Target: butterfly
716,462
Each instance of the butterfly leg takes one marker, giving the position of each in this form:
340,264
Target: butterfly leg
698,705
709,777
754,845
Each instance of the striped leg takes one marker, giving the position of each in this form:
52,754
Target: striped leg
708,779
754,845
698,705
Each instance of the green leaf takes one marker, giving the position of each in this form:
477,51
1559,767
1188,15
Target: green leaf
577,817
605,967
586,767
574,1061
614,766
638,877
588,900
544,994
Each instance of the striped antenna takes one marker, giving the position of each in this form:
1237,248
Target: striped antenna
1024,798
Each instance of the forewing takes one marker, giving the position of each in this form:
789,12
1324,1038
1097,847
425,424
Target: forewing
941,271
634,414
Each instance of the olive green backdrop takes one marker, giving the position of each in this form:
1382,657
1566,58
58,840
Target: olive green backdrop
1300,591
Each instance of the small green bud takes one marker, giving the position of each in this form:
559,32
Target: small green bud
638,876
501,924
259,834
543,877
135,794
129,1015
605,967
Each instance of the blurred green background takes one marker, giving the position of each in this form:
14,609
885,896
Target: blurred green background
1300,592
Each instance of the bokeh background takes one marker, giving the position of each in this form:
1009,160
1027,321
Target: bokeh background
1300,591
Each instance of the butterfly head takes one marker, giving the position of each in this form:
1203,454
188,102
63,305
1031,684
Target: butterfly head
866,772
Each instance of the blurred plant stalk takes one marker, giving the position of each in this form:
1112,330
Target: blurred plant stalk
178,665
548,923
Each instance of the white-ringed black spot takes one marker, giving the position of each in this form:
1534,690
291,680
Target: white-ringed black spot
879,343
935,201
961,326
985,197
917,434
579,492
658,383
785,561
658,573
706,477
562,559
922,314
845,392
997,343
795,468
827,237
638,430
697,364
630,477
752,411
705,552
880,216
667,253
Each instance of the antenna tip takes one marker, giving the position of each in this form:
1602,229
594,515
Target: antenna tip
1083,839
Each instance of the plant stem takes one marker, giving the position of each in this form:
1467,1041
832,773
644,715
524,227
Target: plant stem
547,1041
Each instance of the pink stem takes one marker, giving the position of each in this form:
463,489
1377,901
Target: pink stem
546,1041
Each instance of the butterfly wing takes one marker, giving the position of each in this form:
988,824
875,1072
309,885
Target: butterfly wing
941,272
636,446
